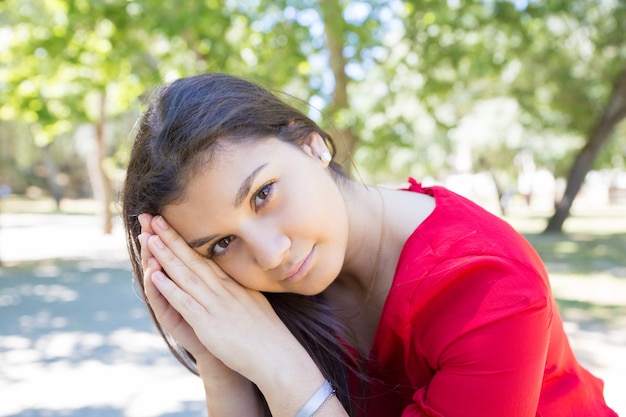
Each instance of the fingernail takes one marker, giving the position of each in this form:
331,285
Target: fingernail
162,223
142,239
159,243
158,276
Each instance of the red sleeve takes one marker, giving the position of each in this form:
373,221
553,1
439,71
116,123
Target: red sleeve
486,335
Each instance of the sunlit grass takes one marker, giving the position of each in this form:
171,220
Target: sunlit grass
593,241
587,267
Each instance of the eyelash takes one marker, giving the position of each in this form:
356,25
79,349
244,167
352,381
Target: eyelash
267,190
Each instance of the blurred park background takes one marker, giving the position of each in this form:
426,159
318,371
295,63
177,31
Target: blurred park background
517,104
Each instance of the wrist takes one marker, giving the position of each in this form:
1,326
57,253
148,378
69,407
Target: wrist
290,384
220,381
317,400
228,392
209,367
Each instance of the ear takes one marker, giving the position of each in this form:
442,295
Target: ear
315,146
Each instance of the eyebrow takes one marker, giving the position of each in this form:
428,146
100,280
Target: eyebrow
243,191
196,243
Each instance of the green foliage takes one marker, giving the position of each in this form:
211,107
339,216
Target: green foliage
419,70
577,49
557,59
61,57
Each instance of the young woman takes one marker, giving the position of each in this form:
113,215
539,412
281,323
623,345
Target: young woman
295,291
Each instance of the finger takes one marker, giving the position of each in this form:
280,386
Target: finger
157,301
145,220
153,265
170,319
166,315
144,251
224,337
182,250
186,278
172,304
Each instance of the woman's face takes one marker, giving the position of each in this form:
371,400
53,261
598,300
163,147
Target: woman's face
269,214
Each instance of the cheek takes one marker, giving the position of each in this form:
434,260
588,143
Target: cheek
317,199
323,217
241,269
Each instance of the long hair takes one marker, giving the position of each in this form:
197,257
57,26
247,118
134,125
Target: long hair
179,134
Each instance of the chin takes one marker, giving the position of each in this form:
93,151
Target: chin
318,280
312,292
321,286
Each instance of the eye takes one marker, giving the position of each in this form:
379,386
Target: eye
262,197
220,247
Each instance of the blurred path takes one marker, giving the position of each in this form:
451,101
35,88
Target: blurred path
35,237
75,339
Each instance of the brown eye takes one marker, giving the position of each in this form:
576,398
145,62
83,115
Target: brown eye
221,246
263,195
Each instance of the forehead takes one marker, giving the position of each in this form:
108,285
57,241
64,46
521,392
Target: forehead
228,167
208,201
235,159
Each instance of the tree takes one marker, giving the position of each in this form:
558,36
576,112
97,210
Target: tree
580,85
396,78
599,63
69,63
563,61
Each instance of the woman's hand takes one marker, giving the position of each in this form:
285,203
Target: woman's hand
167,316
227,392
236,324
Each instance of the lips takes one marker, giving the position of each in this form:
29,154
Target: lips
299,269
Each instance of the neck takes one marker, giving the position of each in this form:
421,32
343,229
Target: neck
366,241
360,298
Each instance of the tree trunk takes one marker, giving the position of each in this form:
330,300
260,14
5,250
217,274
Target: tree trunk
103,188
52,172
333,28
614,112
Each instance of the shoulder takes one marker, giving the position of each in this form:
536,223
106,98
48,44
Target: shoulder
462,258
458,230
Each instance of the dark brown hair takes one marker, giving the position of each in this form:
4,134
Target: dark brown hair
179,134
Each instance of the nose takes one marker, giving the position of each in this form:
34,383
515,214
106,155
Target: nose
269,247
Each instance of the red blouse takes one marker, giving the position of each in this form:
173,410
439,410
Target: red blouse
470,327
